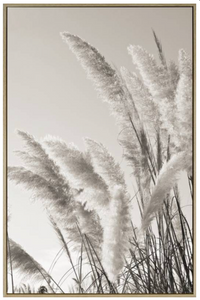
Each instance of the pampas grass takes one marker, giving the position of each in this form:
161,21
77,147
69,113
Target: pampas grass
85,193
78,168
104,164
168,176
184,103
116,234
27,266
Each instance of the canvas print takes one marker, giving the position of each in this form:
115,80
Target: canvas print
100,147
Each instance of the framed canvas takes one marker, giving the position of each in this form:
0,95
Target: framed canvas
99,150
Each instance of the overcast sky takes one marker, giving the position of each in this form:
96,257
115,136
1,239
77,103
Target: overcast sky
48,92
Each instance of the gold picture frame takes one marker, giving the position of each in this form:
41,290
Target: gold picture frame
5,139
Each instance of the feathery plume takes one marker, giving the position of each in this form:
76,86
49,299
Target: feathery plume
43,177
116,234
104,164
183,101
65,210
26,264
105,78
37,160
145,106
113,89
157,80
108,81
78,168
154,77
168,176
160,50
149,115
52,196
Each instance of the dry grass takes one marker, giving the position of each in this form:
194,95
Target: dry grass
85,193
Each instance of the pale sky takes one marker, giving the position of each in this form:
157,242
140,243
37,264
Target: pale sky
49,93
